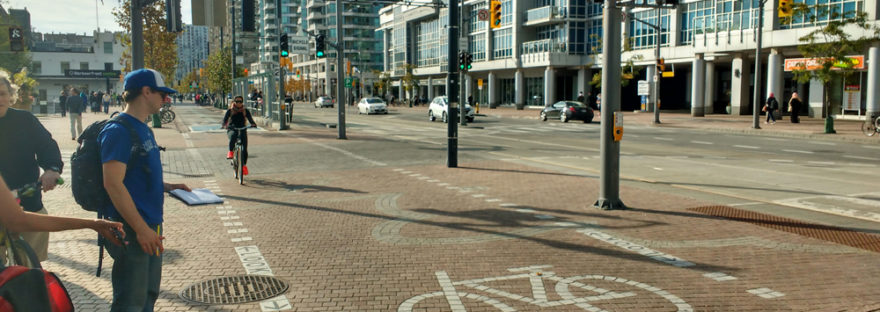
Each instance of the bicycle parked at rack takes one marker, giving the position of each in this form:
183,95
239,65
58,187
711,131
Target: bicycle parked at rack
871,126
237,155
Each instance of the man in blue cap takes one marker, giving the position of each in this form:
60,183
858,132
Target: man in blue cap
133,179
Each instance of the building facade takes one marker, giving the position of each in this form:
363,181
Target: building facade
192,50
549,50
89,63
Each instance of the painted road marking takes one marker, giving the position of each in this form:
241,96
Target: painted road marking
765,293
241,239
797,151
782,160
493,200
702,142
232,223
871,146
719,276
861,157
821,143
824,163
545,217
525,210
234,231
509,205
478,195
747,146
449,291
837,205
663,139
229,218
645,251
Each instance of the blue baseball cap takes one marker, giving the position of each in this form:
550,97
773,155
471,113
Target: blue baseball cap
146,78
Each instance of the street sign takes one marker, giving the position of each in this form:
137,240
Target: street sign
479,84
298,44
348,82
644,87
483,14
463,44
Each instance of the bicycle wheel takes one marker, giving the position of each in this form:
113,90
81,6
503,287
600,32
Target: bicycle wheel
868,128
238,169
168,116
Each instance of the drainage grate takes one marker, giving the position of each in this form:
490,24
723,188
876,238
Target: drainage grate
824,232
234,289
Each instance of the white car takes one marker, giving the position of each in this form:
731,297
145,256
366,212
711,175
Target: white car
323,101
372,105
439,109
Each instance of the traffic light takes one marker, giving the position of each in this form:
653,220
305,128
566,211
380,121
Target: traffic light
319,46
16,39
285,48
661,65
297,74
494,14
462,58
785,9
668,2
468,59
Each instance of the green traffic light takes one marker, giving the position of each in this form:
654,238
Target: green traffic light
284,53
470,66
320,54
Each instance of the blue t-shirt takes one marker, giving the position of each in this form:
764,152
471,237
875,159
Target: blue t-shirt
146,187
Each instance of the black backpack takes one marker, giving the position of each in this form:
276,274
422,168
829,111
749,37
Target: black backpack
87,172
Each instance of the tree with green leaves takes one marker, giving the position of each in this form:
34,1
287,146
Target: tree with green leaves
218,73
26,86
160,50
410,82
830,46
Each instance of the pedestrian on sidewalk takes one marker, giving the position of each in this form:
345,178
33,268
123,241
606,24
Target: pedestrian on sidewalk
137,195
22,157
75,107
794,106
580,97
106,102
62,102
771,106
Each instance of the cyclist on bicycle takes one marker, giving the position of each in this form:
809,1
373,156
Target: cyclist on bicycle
235,118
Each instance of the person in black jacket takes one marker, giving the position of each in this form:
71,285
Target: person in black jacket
26,147
794,106
236,117
75,108
771,106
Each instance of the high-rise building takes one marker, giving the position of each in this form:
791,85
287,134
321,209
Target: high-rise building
192,49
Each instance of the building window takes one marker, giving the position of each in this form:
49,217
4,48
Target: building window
534,90
832,10
427,43
506,13
477,25
594,36
502,44
643,36
594,10
108,47
477,46
695,19
508,90
37,67
84,65
576,38
65,66
736,14
108,66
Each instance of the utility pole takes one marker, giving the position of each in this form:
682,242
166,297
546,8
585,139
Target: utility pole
232,69
655,96
137,42
340,91
757,95
609,180
452,85
462,96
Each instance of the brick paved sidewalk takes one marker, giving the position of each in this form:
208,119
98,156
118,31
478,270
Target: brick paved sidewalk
488,236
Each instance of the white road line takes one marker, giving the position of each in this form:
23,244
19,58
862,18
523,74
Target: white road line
449,291
746,146
797,151
782,160
827,163
658,169
765,293
821,143
774,139
663,139
702,142
861,157
871,146
719,276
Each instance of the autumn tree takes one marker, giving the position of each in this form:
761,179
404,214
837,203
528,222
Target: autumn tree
160,50
830,46
218,71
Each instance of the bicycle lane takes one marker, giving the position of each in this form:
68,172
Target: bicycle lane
391,238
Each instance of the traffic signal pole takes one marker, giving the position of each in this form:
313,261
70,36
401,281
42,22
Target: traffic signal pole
340,52
452,85
282,117
609,180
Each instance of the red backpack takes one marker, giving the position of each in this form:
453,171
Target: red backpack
25,286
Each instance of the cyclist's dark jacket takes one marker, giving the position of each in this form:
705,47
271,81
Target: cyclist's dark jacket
25,146
236,120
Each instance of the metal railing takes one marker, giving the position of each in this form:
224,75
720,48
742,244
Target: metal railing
547,12
544,46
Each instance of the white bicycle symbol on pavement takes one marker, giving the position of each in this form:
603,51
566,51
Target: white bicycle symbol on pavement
536,277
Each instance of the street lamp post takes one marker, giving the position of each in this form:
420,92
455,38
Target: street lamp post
757,95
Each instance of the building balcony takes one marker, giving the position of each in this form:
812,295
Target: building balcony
314,3
549,52
544,16
315,15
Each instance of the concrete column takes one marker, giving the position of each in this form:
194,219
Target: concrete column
873,10
709,99
493,90
401,93
520,82
774,76
698,92
675,23
582,81
549,86
739,86
430,88
468,87
650,71
816,94
873,105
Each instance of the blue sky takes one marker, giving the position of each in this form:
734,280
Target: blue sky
77,16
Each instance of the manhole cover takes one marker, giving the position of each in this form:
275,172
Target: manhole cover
234,289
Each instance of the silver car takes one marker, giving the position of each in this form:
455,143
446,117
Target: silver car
323,101
439,108
372,105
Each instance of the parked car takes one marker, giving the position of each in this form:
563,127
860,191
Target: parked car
372,105
567,110
439,108
323,101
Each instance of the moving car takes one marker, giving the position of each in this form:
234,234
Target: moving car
567,110
323,101
370,105
439,109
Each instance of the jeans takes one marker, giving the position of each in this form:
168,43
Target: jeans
770,115
76,124
136,275
244,143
